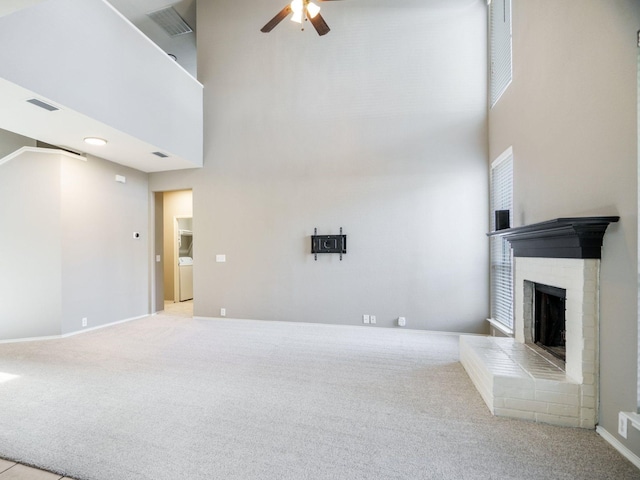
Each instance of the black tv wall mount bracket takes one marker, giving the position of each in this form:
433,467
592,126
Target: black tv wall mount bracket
328,244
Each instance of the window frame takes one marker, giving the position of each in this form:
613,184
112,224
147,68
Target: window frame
500,254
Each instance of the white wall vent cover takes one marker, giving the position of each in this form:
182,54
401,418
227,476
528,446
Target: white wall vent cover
170,21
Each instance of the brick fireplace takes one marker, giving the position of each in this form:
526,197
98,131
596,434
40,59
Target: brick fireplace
518,378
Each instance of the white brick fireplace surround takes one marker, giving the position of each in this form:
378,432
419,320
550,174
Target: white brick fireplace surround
517,378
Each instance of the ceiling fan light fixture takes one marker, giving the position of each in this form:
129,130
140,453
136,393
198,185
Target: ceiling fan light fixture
297,17
312,9
297,9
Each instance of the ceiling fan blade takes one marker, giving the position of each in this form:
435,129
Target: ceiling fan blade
320,25
276,20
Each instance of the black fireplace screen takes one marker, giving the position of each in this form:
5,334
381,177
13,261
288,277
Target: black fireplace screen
550,330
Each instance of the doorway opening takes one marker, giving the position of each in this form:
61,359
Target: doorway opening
174,253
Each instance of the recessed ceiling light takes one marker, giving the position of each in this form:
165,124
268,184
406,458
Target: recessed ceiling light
95,141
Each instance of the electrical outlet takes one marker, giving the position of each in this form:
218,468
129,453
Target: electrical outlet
84,321
402,321
365,318
373,318
622,424
223,312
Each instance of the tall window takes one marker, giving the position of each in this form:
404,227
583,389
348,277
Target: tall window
501,259
500,47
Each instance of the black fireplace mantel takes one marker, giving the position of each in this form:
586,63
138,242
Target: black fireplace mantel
579,237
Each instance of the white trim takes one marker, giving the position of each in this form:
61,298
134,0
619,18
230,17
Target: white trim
48,151
498,46
615,443
500,326
71,334
502,157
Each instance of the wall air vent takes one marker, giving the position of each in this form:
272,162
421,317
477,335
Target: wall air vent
41,104
160,154
170,21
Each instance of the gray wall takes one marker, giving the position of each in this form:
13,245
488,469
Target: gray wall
105,271
570,115
376,128
10,142
157,283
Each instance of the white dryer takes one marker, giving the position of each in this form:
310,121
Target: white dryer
185,268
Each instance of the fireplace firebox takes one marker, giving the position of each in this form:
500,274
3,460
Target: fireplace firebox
549,319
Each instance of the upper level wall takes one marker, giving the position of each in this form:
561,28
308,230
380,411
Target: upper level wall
84,55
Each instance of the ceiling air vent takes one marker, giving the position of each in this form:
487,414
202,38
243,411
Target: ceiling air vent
170,21
41,104
160,154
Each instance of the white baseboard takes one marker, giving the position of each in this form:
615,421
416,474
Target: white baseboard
395,327
77,332
617,444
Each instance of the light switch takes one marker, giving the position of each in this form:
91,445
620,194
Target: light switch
157,258
221,258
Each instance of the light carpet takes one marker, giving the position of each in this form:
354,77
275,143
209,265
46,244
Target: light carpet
179,398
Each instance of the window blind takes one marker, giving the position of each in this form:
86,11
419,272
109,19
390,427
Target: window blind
501,259
500,47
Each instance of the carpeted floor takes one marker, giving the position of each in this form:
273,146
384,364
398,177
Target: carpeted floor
177,398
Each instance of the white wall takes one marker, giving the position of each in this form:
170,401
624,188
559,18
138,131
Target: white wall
377,127
68,251
30,254
570,115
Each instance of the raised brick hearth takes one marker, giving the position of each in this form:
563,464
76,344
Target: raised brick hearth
517,378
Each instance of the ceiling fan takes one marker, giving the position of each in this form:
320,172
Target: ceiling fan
302,10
